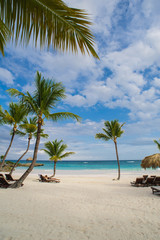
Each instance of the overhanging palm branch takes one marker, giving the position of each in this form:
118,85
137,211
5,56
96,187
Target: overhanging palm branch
4,36
50,22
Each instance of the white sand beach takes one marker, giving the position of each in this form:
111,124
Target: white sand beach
81,207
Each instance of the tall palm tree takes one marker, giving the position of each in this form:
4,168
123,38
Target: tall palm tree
50,22
13,117
44,99
158,144
55,150
30,128
112,130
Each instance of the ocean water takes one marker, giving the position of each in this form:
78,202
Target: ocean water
127,165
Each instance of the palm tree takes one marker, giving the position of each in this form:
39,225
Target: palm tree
50,22
47,94
55,150
158,144
13,117
30,128
112,130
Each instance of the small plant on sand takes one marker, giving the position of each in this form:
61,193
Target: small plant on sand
55,150
112,131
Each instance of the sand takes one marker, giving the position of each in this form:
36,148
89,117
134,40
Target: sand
81,207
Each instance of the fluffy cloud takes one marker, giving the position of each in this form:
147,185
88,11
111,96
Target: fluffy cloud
6,77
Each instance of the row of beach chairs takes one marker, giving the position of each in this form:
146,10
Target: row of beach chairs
146,181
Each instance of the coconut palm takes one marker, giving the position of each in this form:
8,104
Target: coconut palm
14,116
44,99
55,150
48,22
112,130
30,128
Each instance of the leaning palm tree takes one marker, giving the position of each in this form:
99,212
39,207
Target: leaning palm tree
44,99
55,150
48,22
30,128
14,116
112,130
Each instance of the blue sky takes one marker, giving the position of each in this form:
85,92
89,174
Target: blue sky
123,85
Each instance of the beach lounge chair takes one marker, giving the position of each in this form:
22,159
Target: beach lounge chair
3,182
9,177
145,177
138,182
157,181
155,189
46,179
149,182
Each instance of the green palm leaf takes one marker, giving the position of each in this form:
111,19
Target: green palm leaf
55,150
112,131
4,36
158,144
51,22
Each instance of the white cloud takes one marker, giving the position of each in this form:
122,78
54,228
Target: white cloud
6,77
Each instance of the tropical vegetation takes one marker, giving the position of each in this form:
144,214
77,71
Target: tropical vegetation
49,23
112,131
41,103
30,128
14,116
55,150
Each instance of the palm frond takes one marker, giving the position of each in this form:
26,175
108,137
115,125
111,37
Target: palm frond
158,144
102,136
4,36
63,115
55,149
51,22
113,130
20,133
67,154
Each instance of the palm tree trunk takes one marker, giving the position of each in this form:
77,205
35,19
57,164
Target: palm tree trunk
15,165
54,170
19,182
115,142
4,158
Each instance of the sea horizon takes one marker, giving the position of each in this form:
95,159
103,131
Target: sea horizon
131,165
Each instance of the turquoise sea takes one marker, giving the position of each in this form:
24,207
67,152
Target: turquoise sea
127,165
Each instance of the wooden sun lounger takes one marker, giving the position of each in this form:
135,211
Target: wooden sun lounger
155,189
138,182
9,177
157,181
149,182
4,183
